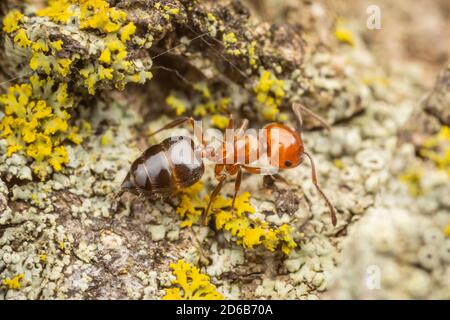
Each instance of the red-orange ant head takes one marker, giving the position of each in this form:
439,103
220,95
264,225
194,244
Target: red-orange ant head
284,146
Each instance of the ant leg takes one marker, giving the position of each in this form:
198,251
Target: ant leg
173,124
314,180
218,168
250,169
179,122
213,197
298,108
202,257
237,185
260,170
116,199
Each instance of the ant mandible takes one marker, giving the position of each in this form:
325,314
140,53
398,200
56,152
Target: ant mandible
176,162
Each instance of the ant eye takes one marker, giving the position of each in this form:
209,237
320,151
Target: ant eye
287,163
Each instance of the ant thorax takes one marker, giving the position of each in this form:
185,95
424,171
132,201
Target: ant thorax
247,147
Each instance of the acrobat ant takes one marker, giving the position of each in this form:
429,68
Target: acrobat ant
177,163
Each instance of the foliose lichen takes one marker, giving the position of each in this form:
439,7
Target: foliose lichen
247,231
37,111
36,123
190,284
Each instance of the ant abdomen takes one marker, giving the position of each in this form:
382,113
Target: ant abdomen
165,167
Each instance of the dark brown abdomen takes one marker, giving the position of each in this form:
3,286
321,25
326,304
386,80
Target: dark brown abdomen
165,167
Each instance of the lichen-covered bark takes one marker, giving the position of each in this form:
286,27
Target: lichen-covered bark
67,236
437,102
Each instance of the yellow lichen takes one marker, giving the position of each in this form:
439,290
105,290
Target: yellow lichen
412,177
234,52
252,57
37,112
190,284
105,56
92,14
11,21
127,31
220,121
343,33
21,39
437,149
40,61
116,31
57,44
41,46
211,17
203,89
209,103
339,164
269,93
447,230
229,38
174,11
166,11
14,283
107,138
247,232
105,73
58,11
376,80
176,104
36,123
62,66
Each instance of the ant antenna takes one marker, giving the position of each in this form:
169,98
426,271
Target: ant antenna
314,181
176,72
16,78
220,54
180,45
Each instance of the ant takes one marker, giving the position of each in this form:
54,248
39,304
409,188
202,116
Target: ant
176,162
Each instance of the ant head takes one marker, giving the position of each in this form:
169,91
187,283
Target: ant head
284,146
